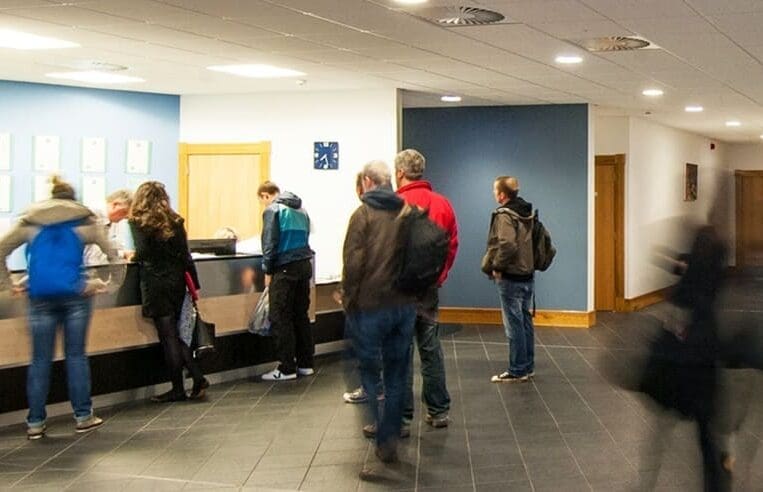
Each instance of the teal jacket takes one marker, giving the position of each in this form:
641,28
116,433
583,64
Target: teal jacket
285,233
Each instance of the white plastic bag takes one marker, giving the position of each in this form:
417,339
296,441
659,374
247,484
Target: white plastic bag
259,321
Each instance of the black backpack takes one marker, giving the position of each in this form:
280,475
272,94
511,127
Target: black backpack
543,250
424,251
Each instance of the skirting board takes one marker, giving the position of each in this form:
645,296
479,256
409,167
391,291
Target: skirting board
543,317
646,300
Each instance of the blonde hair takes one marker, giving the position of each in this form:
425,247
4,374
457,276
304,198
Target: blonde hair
61,189
121,196
151,210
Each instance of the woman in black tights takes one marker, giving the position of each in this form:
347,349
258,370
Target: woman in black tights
161,249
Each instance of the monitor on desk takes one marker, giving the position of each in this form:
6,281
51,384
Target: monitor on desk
220,247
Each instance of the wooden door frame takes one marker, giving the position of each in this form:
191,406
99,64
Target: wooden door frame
738,207
619,167
186,150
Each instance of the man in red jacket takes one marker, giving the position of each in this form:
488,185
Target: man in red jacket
409,171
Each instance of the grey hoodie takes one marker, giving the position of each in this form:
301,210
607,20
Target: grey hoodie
49,212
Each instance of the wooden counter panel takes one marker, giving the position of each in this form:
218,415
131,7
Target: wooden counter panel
121,328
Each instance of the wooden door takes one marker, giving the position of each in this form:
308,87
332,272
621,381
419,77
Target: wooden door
218,188
749,218
609,232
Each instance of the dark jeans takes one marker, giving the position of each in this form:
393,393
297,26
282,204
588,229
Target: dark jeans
385,331
516,299
73,314
289,305
176,353
434,392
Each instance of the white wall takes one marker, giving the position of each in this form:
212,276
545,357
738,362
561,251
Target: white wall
655,197
365,123
746,157
611,135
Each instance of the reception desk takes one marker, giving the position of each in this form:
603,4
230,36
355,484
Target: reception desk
123,345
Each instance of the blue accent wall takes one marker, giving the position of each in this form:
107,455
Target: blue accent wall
546,148
27,110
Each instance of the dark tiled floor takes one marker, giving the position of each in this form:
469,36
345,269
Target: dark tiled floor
568,430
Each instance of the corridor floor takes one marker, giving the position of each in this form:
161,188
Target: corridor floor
567,430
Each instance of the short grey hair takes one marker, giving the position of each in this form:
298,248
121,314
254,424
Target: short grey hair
122,196
412,163
378,172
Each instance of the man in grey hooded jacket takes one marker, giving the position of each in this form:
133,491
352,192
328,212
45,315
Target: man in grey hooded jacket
509,262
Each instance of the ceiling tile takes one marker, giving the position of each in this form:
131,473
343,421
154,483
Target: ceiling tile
534,11
67,15
640,9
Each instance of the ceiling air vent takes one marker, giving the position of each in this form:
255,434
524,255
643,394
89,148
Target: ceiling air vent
615,43
461,16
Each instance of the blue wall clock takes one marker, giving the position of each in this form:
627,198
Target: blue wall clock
326,155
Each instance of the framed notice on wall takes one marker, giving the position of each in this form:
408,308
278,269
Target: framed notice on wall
5,193
138,156
690,186
5,151
93,155
47,153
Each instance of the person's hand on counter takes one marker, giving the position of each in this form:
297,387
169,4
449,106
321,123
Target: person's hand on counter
18,290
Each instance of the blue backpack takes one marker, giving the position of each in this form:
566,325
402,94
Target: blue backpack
54,261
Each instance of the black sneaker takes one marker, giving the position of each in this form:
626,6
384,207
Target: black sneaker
168,397
506,377
199,390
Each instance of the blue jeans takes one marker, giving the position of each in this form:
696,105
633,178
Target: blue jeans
516,298
385,331
73,313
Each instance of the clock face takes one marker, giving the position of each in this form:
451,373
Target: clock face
326,155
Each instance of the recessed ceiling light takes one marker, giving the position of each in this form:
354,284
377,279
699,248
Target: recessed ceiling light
18,40
694,109
450,99
761,137
411,2
95,77
569,59
733,123
256,70
652,92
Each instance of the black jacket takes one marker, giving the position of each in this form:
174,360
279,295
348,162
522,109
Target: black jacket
163,264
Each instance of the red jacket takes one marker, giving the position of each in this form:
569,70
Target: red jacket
441,212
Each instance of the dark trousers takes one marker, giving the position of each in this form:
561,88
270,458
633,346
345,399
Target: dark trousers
434,392
176,353
289,305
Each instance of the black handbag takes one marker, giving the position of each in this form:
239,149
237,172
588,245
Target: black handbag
203,337
203,341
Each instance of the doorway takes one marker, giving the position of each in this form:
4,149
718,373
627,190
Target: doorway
218,187
610,237
749,218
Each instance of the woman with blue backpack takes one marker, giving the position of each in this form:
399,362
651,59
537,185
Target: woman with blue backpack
55,232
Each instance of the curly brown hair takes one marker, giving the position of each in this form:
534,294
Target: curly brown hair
151,210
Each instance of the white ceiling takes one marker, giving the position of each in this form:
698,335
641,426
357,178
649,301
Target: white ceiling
711,51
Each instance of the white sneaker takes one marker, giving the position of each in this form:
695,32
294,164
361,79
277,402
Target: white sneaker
305,371
276,375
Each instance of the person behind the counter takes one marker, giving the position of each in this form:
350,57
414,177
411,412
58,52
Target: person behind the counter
55,232
161,250
113,220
